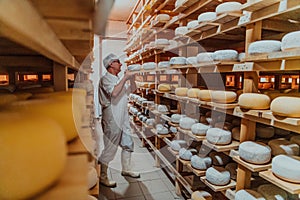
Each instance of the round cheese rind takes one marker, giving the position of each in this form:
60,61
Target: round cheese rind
217,176
162,17
218,136
181,91
92,177
287,168
182,30
186,154
186,122
175,118
254,101
176,145
248,195
135,67
199,129
283,146
253,152
164,64
264,46
149,65
193,92
223,96
226,55
270,191
200,163
161,129
205,95
191,60
178,61
163,87
290,41
192,24
207,16
205,57
291,106
229,7
219,158
162,108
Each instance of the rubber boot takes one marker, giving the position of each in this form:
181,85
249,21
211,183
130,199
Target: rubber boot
104,179
126,165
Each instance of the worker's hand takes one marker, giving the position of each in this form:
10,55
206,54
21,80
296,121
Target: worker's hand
128,75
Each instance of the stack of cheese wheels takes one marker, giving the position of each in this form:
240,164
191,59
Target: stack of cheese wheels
135,67
205,95
248,195
295,139
264,46
236,133
175,118
254,101
217,176
270,191
191,60
193,92
287,168
232,168
162,17
186,154
283,146
226,55
290,41
149,65
163,87
291,106
181,91
186,122
205,57
178,61
254,152
199,129
176,145
192,24
182,30
200,195
265,132
200,163
92,177
229,7
207,16
33,149
219,158
223,96
164,64
7,99
218,136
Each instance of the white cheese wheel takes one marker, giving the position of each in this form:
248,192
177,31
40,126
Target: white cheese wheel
92,177
223,96
149,65
264,46
291,106
192,24
186,154
281,132
226,55
283,146
179,3
162,108
200,163
272,192
199,129
248,195
241,56
150,122
164,87
33,153
175,118
164,64
205,57
218,136
172,43
176,145
199,195
181,91
144,119
229,7
193,92
290,41
253,152
207,16
217,176
162,17
173,129
160,129
187,122
182,30
295,139
219,158
265,132
236,133
191,60
205,95
287,168
135,67
254,101
178,61
162,41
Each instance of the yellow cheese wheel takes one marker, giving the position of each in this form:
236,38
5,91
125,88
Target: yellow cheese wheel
33,155
193,92
164,87
7,99
181,91
286,106
205,95
254,101
223,96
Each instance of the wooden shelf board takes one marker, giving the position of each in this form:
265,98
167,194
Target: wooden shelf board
189,133
216,188
197,172
159,135
222,148
158,24
173,124
184,162
250,166
226,17
290,187
255,5
73,182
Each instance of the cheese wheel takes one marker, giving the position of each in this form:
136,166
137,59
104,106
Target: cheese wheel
186,154
173,129
265,132
162,17
199,195
181,91
90,197
7,99
191,60
205,57
290,41
162,41
253,152
193,92
291,106
160,129
232,168
217,176
164,64
229,7
176,145
186,122
162,108
192,24
226,55
175,118
135,67
287,168
254,101
33,153
200,163
248,195
283,146
92,177
164,87
281,132
264,46
295,139
199,129
182,30
178,61
179,3
149,65
205,95
150,122
236,133
272,192
223,96
218,136
219,158
207,16
241,56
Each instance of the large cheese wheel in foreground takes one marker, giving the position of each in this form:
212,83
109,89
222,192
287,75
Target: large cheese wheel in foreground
270,191
254,101
290,41
223,96
33,154
248,195
287,168
264,46
218,136
286,106
181,91
217,176
256,153
283,146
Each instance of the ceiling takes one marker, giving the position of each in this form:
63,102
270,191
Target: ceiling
122,9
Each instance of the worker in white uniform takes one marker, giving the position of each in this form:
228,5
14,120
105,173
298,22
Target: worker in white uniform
113,97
